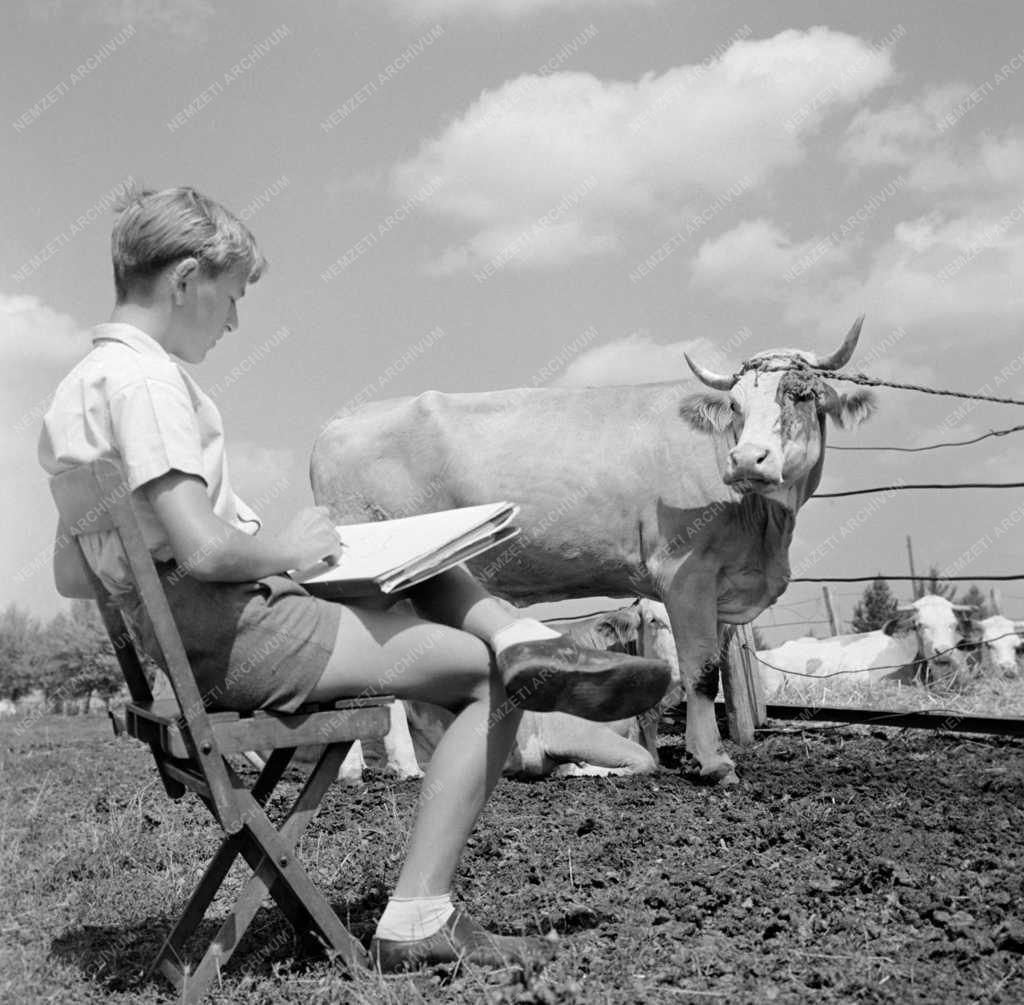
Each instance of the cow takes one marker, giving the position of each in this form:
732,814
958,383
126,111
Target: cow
996,643
546,743
922,642
665,491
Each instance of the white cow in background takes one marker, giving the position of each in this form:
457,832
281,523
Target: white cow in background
922,642
863,658
999,641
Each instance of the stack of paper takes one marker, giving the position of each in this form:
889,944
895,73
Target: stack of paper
390,555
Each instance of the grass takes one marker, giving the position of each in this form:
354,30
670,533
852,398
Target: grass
996,696
95,863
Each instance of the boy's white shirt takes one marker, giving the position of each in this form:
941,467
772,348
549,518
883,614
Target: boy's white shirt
129,401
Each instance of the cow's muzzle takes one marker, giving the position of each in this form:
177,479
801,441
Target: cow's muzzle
755,464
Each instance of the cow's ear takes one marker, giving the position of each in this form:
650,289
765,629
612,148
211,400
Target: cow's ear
620,627
969,628
707,413
852,409
901,624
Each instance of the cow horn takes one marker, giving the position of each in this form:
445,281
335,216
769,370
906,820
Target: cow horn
906,609
718,381
962,607
842,355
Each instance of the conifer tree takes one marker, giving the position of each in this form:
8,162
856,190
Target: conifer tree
875,608
976,599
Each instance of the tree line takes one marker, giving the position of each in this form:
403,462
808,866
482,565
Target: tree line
68,657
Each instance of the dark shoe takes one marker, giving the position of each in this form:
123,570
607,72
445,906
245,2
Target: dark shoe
460,940
557,675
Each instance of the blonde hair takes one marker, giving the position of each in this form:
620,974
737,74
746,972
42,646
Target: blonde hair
154,229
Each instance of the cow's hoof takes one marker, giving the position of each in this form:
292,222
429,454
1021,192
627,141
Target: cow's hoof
720,774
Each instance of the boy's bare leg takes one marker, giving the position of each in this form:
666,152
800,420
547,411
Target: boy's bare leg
392,652
543,670
457,598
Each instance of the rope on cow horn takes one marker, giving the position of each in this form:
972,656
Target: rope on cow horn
860,378
805,366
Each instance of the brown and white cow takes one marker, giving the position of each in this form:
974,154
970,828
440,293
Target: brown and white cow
664,491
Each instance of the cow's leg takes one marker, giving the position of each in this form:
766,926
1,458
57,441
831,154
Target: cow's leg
351,770
567,738
398,744
693,612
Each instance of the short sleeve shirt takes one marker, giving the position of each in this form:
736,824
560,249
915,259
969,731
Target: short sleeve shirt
128,401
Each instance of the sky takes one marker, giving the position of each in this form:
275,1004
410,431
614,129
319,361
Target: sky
466,195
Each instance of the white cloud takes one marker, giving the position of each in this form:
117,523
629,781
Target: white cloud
36,337
938,157
947,271
961,263
539,245
638,359
643,149
989,165
754,259
37,346
899,133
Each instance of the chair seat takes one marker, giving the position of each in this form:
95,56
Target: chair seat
159,722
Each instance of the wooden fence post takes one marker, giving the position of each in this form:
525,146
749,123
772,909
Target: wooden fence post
830,609
741,684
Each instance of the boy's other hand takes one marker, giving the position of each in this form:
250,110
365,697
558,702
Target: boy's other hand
311,537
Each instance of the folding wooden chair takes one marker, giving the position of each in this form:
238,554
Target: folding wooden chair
190,749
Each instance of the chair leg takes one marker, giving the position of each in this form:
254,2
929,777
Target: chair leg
169,959
270,854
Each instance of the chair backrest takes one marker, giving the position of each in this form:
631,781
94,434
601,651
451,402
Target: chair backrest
96,497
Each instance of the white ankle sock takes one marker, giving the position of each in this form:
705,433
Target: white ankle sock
406,919
521,630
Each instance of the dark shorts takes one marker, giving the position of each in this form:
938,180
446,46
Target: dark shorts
257,645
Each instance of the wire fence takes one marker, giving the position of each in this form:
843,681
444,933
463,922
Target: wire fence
794,605
812,619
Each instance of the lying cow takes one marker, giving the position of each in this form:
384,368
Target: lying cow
546,743
996,645
681,495
921,643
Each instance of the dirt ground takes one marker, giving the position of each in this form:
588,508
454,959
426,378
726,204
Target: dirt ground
848,865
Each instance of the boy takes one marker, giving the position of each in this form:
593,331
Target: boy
181,264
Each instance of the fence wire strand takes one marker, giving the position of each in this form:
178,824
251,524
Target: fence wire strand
933,446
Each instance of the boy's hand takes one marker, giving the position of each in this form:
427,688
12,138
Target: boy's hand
311,537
